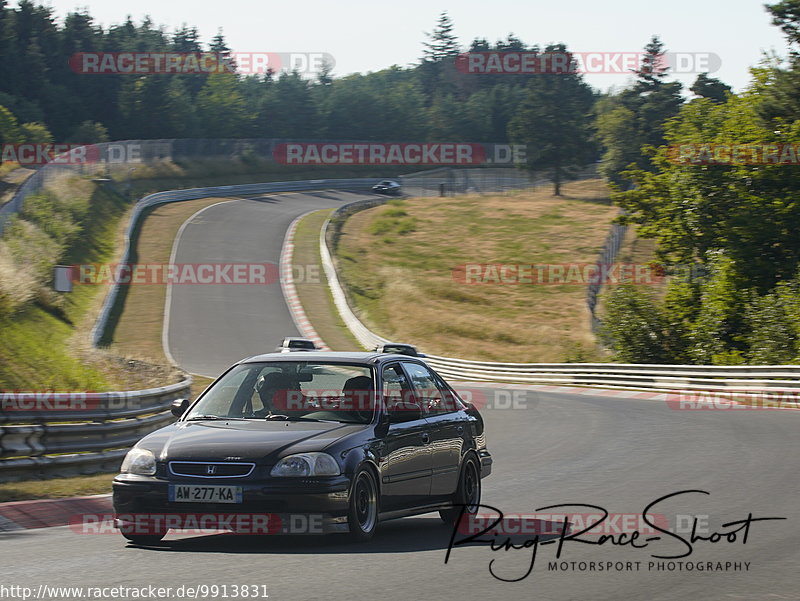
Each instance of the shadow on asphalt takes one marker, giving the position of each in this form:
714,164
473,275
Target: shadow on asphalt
407,535
266,199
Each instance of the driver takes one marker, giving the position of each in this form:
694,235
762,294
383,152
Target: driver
273,389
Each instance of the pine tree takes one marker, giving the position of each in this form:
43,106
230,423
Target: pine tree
442,43
710,87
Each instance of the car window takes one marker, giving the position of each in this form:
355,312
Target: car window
435,398
397,392
293,389
219,399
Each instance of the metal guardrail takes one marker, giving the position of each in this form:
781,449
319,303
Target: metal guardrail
78,433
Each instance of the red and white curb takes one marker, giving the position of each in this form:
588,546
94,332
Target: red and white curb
46,513
290,291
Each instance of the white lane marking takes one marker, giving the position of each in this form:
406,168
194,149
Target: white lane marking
168,300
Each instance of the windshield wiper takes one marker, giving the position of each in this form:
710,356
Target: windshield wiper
288,418
211,418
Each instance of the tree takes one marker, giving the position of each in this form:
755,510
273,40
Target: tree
89,132
437,68
35,133
772,340
442,43
648,104
710,87
222,108
746,211
638,330
554,121
9,130
786,15
288,109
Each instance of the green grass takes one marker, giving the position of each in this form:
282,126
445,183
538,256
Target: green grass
77,486
36,343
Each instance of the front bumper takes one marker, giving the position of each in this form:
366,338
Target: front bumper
304,506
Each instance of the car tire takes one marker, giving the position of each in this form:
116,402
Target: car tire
468,492
145,539
362,514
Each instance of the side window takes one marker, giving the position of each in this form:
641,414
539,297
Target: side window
435,400
395,386
398,396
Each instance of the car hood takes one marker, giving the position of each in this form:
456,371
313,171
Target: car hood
257,440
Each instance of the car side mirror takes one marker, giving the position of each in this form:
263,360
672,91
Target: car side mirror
405,411
179,407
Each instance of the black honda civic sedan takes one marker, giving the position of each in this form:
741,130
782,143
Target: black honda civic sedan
307,443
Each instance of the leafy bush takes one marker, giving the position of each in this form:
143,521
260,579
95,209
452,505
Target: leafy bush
638,330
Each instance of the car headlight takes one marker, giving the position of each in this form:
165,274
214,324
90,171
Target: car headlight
306,464
139,461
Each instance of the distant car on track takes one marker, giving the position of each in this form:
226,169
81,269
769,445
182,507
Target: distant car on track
292,345
399,348
387,186
351,439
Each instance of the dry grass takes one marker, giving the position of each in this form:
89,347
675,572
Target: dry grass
403,284
138,332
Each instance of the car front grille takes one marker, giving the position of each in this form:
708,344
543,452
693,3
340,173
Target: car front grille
210,469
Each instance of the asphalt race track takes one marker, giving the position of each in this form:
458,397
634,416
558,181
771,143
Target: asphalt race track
615,453
211,326
620,454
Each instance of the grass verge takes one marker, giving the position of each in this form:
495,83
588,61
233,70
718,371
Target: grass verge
397,263
61,488
312,285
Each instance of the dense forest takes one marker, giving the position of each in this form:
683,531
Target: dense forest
43,98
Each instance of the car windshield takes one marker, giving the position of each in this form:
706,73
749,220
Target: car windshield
301,344
291,390
398,348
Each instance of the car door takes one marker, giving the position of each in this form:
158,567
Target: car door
405,462
447,426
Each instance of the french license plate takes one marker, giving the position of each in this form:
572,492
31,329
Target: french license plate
181,493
